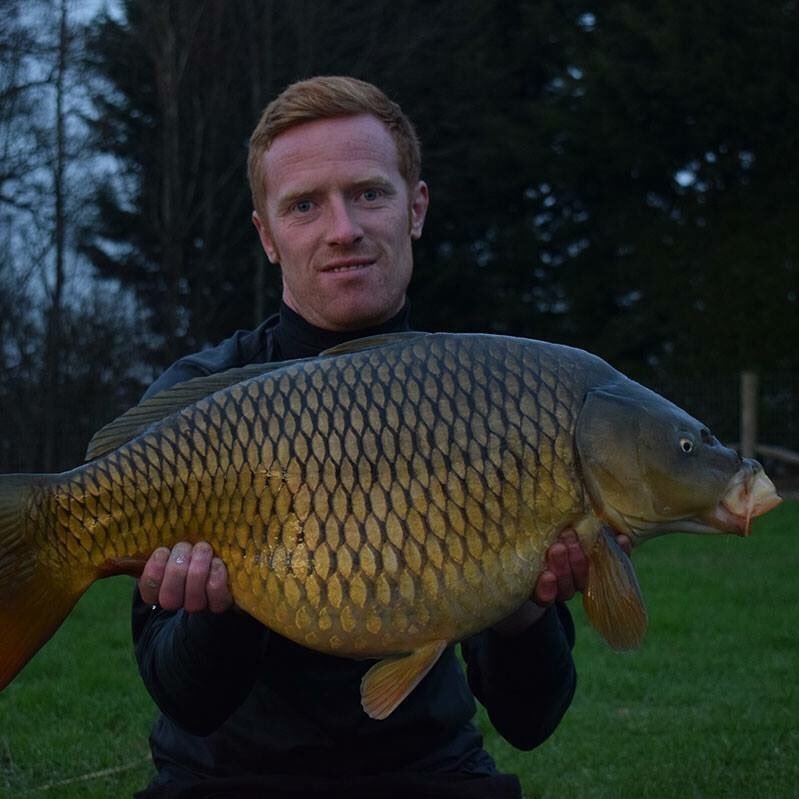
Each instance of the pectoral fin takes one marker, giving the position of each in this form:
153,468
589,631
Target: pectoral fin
612,598
388,682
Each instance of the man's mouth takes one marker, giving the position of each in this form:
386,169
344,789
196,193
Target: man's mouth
347,265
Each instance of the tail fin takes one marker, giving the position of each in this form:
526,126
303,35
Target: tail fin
35,595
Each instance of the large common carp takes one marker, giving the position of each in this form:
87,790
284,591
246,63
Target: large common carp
380,501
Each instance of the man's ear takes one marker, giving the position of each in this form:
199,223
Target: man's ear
420,199
266,239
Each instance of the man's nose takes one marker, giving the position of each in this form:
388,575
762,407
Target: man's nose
343,225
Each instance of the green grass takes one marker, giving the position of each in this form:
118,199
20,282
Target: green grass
79,708
708,707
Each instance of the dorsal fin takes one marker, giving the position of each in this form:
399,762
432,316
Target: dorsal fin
173,399
169,401
372,342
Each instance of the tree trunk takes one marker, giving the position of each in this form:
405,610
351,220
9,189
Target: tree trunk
261,17
52,409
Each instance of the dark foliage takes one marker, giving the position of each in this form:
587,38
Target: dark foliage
621,177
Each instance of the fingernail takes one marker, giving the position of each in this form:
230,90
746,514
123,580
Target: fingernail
180,553
202,550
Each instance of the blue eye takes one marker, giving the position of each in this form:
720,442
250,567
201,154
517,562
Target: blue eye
370,195
303,206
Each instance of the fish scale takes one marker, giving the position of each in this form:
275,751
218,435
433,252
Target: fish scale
372,503
426,464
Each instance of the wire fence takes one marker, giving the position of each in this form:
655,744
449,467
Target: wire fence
779,409
716,401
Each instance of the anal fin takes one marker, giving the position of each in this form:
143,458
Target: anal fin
612,598
389,681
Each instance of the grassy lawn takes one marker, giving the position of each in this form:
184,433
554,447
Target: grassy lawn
79,708
709,707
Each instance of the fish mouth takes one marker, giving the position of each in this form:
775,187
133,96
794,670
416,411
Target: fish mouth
749,494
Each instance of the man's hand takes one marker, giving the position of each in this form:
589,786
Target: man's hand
565,575
566,572
187,577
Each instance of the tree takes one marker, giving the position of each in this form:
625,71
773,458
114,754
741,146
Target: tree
50,318
674,184
176,227
177,117
592,178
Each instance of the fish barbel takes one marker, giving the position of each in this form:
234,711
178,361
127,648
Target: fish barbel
392,496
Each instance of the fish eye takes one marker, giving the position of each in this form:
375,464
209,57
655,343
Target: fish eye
686,445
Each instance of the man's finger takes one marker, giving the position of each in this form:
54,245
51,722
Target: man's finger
195,598
152,575
173,586
219,597
578,563
546,589
625,542
558,563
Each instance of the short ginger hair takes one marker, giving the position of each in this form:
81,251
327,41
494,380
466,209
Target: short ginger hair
327,97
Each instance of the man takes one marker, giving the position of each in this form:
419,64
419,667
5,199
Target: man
334,170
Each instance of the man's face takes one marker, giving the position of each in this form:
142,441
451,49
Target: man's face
339,220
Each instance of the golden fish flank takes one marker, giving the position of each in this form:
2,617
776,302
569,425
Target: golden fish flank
380,501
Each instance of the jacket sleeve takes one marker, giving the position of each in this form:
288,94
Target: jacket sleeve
198,667
525,682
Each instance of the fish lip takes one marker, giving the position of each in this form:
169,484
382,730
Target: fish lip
749,494
722,519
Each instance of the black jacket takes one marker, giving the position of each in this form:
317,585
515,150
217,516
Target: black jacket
240,701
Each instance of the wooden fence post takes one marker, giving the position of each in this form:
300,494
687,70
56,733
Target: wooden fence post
748,414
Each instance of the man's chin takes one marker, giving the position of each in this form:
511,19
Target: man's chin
350,317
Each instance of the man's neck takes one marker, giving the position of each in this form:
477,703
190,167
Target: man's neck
297,338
